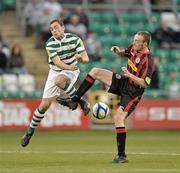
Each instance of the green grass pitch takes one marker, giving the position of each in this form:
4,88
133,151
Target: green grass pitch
90,152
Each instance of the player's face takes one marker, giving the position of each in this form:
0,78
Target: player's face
57,30
138,42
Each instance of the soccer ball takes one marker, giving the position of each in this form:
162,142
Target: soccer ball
100,110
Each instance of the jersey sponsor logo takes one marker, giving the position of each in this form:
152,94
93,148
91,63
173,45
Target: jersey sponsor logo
118,76
148,80
137,60
131,64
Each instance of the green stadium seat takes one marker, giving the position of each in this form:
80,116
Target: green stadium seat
121,42
124,28
133,17
7,4
151,27
106,41
94,27
94,16
1,6
175,55
108,17
178,2
155,17
115,30
162,54
107,54
155,93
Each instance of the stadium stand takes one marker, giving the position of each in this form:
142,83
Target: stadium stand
113,24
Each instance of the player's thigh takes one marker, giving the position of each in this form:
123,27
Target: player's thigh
67,76
102,74
61,80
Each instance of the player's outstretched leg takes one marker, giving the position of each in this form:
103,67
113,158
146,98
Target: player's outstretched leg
84,106
120,159
72,103
37,117
27,136
67,102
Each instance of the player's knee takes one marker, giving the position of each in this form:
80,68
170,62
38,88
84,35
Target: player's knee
94,72
119,118
58,83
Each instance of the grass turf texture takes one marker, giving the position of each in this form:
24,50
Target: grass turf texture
89,152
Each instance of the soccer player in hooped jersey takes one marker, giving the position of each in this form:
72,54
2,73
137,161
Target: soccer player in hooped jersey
65,50
129,86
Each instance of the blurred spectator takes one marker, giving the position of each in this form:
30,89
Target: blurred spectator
173,87
155,76
43,33
164,36
4,46
16,62
3,61
32,13
83,18
93,47
75,27
65,15
55,8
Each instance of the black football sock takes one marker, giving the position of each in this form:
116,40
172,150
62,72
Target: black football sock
121,140
85,86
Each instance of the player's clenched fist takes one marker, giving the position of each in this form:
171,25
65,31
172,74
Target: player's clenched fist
73,67
115,49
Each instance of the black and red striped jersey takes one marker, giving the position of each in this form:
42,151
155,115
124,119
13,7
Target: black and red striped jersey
139,64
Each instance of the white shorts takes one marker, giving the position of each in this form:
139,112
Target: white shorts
50,89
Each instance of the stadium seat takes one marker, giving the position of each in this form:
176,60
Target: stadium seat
94,16
1,6
133,17
108,17
175,55
107,55
106,41
100,29
10,4
155,17
26,83
163,54
115,30
10,83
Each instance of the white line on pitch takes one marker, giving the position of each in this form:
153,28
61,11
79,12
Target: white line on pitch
85,152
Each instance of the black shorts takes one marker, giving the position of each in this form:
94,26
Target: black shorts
130,95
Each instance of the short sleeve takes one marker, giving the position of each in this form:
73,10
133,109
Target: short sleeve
147,70
80,46
51,50
128,50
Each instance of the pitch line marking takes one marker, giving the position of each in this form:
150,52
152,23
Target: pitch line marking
84,152
102,171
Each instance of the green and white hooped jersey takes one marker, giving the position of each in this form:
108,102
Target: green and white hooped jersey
65,48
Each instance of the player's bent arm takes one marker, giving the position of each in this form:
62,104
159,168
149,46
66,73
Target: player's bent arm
82,57
139,81
56,60
118,51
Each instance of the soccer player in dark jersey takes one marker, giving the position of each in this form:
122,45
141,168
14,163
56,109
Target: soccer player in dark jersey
129,86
